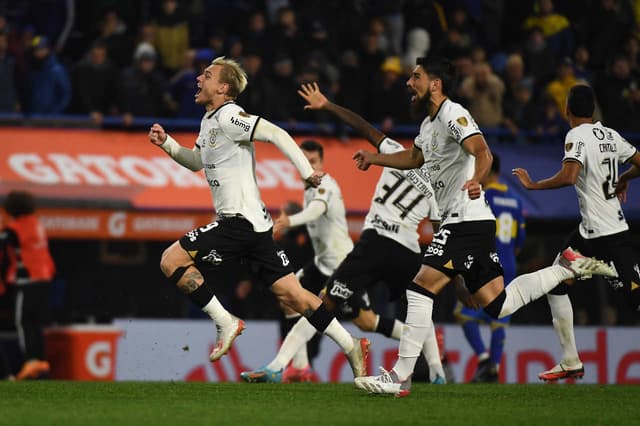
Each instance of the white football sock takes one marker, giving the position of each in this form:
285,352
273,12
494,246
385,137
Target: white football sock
397,329
340,335
562,313
301,358
431,354
526,288
299,335
217,312
415,332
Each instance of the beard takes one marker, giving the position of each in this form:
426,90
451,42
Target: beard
420,107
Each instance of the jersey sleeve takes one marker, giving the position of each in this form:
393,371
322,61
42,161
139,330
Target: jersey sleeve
389,146
237,124
322,192
573,148
460,125
625,149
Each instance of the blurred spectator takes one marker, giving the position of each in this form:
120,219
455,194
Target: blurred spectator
551,122
555,27
581,68
183,85
558,88
427,14
112,31
47,85
418,45
256,37
283,86
377,29
256,98
27,266
143,90
538,58
172,35
514,74
53,19
388,99
632,50
520,109
234,48
619,95
8,86
484,91
371,58
610,23
286,36
94,84
352,92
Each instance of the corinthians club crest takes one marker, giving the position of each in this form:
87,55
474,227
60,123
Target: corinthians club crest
211,140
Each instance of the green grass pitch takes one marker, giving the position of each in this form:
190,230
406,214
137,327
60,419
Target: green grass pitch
50,403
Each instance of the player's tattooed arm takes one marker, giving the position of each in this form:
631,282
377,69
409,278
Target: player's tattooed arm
316,100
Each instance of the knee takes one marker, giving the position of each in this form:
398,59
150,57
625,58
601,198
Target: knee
366,321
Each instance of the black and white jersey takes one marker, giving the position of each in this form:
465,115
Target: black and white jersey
449,165
329,233
599,150
228,158
402,199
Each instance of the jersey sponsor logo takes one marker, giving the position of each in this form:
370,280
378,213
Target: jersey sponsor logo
608,147
209,166
213,257
434,250
505,202
579,149
213,182
379,222
454,130
598,133
283,257
462,121
341,290
420,181
242,124
494,257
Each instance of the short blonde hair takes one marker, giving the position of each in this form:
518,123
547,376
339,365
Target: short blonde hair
231,74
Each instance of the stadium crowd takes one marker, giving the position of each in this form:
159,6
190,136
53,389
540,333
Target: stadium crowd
115,58
516,60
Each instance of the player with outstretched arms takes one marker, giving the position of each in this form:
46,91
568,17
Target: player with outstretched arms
592,153
457,157
388,250
243,229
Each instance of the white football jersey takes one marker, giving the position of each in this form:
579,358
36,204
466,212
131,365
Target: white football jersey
329,233
228,158
599,150
449,165
403,198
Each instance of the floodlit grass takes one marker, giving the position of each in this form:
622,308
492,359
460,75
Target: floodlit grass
46,403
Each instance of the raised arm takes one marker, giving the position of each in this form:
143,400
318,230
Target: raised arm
269,132
189,158
404,160
316,100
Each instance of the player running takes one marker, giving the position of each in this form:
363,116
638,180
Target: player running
591,158
243,229
510,233
388,250
457,156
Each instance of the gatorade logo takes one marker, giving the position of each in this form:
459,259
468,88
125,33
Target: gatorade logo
98,359
117,224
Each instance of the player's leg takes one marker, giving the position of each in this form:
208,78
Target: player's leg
287,289
182,262
469,319
499,301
